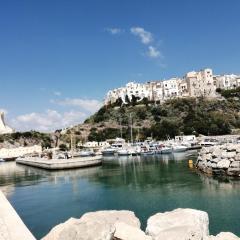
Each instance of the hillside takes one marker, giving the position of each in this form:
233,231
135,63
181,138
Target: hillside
174,117
30,138
149,119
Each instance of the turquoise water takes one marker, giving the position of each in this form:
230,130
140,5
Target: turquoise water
145,185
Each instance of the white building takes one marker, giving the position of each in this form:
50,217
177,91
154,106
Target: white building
3,127
194,84
171,88
227,81
6,153
201,84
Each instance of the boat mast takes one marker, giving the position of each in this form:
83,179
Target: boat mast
120,121
131,128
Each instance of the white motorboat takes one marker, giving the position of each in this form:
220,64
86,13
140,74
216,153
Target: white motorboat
166,150
123,152
86,153
179,148
147,152
108,151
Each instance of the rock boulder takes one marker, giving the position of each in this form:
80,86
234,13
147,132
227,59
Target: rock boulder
223,236
179,224
94,226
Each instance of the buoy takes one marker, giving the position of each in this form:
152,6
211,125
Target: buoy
190,163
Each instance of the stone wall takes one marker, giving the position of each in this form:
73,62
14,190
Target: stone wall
220,160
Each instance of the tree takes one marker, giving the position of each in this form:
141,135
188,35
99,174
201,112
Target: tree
63,147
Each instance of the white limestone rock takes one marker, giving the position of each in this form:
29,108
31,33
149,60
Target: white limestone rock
93,226
180,224
238,149
217,153
216,160
223,236
214,165
126,232
237,157
232,147
112,216
204,150
209,164
228,154
235,164
223,164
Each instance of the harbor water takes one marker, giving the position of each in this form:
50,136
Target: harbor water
145,185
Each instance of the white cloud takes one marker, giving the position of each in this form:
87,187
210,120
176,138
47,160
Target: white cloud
48,121
57,93
145,36
114,31
90,105
153,52
4,110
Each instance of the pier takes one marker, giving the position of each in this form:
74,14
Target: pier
60,164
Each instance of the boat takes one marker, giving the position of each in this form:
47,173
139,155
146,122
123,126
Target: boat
166,150
147,152
179,148
108,151
86,153
123,152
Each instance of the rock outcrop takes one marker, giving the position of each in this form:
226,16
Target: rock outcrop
180,224
101,225
220,160
223,236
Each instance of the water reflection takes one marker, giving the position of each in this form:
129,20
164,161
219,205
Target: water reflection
143,184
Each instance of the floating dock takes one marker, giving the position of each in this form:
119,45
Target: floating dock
61,164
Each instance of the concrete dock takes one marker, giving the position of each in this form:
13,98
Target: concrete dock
61,164
11,225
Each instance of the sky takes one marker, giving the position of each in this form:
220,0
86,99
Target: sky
58,58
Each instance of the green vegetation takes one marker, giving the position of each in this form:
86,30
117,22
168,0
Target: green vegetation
174,117
231,93
63,147
26,138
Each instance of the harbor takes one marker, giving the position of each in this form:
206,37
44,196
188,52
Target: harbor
142,184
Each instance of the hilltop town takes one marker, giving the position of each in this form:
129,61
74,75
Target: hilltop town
194,84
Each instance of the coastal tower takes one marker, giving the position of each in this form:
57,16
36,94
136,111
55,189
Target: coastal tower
3,127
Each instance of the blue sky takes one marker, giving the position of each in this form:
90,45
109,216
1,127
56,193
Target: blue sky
58,58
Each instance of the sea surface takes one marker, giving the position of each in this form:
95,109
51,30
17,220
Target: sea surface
145,185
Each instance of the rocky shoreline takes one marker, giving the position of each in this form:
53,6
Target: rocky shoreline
179,224
220,160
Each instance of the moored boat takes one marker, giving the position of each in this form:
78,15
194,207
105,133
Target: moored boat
123,152
166,150
108,151
179,148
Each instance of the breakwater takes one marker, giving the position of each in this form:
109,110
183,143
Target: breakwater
11,225
179,224
220,160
